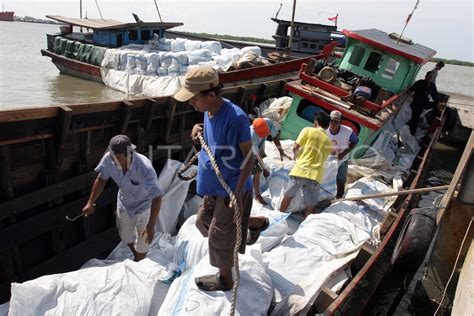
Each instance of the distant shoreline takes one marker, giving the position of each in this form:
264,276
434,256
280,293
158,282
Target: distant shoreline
29,19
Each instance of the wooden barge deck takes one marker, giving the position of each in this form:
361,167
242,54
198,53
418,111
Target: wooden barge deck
47,157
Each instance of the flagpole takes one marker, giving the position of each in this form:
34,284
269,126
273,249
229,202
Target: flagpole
290,41
408,20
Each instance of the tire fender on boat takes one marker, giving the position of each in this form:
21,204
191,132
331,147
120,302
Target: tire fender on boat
414,239
451,119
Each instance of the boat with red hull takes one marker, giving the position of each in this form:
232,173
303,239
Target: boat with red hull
67,50
7,16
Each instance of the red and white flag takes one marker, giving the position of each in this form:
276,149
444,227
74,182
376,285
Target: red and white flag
334,18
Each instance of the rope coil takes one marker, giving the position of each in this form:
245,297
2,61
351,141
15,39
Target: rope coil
237,213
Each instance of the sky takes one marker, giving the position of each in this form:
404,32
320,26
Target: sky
444,25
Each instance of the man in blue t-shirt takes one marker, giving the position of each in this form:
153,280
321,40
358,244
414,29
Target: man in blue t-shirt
227,133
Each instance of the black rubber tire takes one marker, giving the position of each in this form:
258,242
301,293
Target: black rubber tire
414,239
451,119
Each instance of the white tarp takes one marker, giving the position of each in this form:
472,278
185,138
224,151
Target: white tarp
323,245
253,296
140,85
4,309
123,288
320,239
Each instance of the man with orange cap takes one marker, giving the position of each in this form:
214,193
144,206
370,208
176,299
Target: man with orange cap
259,131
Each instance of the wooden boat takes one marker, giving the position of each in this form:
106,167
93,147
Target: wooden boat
392,67
7,15
449,257
47,156
115,34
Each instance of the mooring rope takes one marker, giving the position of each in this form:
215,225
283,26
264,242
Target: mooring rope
237,213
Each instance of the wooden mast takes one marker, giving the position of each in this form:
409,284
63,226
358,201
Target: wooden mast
290,41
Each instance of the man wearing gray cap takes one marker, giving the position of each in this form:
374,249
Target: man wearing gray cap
139,195
226,130
343,141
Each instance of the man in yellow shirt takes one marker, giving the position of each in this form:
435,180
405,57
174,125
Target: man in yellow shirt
311,150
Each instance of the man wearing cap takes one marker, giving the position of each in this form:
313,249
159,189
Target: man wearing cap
226,131
259,131
343,141
139,195
311,149
439,65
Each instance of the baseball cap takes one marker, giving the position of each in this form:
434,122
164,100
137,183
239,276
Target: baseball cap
121,144
261,127
335,115
197,79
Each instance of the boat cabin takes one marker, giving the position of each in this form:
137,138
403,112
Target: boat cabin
388,63
308,38
113,34
392,62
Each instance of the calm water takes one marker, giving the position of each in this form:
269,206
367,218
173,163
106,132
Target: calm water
29,79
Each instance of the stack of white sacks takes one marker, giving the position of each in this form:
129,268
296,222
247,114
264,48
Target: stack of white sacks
157,69
173,57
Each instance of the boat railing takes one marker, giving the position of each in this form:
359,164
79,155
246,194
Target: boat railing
307,76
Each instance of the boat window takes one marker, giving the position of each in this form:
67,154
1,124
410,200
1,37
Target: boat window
132,35
390,69
304,45
356,56
373,62
306,110
312,46
145,35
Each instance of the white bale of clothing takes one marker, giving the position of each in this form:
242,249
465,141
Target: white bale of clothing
253,296
320,239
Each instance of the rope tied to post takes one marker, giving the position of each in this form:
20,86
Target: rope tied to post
236,206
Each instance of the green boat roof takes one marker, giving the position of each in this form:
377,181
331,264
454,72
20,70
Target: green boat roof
390,43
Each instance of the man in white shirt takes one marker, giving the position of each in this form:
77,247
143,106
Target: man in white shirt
343,141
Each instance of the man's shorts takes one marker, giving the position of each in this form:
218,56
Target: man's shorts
342,172
310,190
130,229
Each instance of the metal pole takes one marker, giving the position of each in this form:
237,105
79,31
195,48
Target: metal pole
408,20
290,41
157,10
80,11
380,195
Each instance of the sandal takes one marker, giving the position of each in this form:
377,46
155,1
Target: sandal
212,282
253,234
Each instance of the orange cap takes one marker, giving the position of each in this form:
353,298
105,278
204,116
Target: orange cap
261,127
